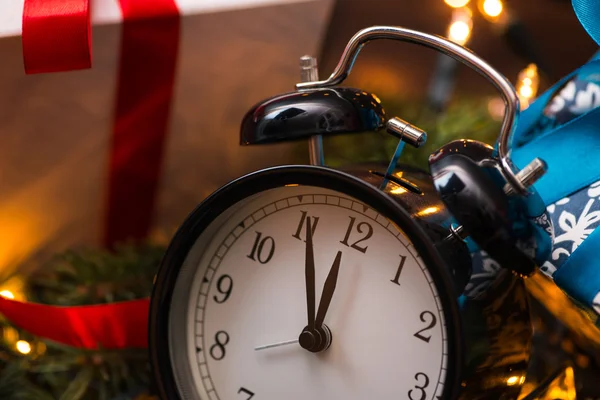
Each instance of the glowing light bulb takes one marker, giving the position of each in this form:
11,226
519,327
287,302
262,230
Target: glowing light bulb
23,347
457,3
460,27
492,8
8,294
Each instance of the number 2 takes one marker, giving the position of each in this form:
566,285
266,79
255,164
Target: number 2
428,327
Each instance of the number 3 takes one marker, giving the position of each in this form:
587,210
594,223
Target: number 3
420,389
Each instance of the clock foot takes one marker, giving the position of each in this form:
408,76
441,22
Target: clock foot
315,340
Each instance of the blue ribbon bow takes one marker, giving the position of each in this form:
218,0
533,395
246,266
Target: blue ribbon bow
572,152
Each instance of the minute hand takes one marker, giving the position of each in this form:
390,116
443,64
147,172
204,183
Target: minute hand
310,276
328,290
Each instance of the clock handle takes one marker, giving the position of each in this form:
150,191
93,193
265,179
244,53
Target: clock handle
459,53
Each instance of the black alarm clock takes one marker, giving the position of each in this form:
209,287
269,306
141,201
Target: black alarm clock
308,282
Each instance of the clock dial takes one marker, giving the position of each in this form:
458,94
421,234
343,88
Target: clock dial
242,300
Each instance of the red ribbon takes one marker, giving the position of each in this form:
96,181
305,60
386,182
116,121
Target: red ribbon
149,49
56,35
105,326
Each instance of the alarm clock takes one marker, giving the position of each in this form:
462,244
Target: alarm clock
308,282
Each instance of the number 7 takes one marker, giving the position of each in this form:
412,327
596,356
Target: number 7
246,391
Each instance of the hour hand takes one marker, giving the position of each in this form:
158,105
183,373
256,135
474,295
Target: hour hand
328,290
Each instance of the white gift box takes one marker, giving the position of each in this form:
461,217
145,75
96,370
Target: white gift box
55,129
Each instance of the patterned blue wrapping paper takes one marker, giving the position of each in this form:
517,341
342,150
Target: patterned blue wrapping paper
573,217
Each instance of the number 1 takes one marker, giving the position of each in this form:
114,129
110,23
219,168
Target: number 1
396,280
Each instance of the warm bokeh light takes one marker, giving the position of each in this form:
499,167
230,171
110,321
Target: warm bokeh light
40,348
398,190
460,27
428,211
496,108
563,387
12,288
492,8
526,91
514,380
459,32
23,347
527,85
457,3
10,335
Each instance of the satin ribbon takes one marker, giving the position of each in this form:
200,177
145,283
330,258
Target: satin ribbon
147,69
579,276
105,326
588,12
571,152
149,49
56,35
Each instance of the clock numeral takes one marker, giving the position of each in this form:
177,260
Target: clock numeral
267,244
217,350
419,388
428,327
362,227
396,279
224,286
246,391
315,221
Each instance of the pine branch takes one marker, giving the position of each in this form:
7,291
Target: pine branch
80,277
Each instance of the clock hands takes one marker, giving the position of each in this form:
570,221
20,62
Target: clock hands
328,289
316,336
309,272
270,346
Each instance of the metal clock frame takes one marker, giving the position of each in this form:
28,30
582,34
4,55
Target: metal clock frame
240,189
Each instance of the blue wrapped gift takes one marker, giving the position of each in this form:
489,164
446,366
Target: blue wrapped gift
562,127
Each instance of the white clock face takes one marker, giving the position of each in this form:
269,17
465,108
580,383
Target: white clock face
240,304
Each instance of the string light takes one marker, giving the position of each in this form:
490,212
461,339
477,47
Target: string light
23,347
492,8
457,3
8,294
461,25
494,11
527,84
